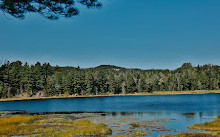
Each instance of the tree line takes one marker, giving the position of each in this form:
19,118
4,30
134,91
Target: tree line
18,79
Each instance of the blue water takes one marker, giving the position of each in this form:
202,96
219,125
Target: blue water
203,103
201,107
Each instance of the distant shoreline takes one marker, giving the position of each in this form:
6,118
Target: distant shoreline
110,95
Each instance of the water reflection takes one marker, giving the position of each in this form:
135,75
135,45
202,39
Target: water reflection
50,9
188,116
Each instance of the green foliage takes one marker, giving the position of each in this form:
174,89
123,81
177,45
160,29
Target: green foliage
134,124
17,79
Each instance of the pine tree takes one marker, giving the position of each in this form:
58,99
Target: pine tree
130,84
112,84
89,82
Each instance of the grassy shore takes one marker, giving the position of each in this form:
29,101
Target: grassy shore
50,126
213,126
190,135
107,95
77,125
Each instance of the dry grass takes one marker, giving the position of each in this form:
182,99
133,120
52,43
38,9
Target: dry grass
211,126
133,133
15,124
190,135
18,119
50,127
131,94
81,128
134,124
138,133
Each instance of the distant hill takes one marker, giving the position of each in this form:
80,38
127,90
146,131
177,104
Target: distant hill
109,67
100,67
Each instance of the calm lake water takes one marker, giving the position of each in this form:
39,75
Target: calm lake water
185,109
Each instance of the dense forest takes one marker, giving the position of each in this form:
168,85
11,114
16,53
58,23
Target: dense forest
18,79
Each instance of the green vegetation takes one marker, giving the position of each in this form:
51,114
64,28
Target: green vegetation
212,126
134,124
81,128
50,126
190,135
17,125
138,133
133,133
44,80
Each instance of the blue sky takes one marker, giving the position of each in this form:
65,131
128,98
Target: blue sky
136,34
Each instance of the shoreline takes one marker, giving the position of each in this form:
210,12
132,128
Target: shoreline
112,95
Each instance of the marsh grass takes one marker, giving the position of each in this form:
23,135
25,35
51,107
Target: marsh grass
133,133
16,124
81,128
47,126
18,119
211,126
138,133
190,135
134,124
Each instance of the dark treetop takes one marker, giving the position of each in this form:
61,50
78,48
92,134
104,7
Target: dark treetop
50,9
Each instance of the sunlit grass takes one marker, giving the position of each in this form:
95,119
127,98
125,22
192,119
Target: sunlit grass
47,126
190,135
138,133
132,133
81,128
19,119
14,124
130,94
212,126
134,124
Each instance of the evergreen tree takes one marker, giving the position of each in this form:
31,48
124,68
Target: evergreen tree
22,79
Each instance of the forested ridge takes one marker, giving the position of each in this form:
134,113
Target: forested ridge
21,79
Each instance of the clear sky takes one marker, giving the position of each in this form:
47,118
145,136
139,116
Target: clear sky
129,33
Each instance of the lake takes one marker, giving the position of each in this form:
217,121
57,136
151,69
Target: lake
181,110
